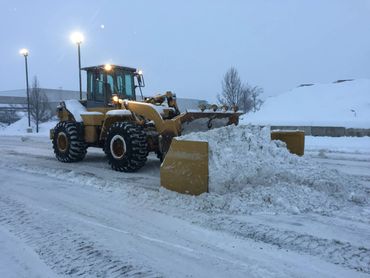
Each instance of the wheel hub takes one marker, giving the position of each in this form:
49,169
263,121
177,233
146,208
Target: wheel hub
118,146
62,142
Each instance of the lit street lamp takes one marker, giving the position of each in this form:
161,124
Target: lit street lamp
78,38
25,53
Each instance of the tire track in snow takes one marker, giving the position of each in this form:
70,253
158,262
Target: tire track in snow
86,176
65,251
333,251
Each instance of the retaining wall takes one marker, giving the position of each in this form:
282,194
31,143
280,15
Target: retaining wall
331,131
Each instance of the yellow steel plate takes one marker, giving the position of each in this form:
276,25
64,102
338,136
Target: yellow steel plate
185,167
293,139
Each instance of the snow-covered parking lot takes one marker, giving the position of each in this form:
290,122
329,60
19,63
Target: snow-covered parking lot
83,219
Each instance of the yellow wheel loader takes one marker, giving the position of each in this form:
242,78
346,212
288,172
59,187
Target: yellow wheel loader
126,126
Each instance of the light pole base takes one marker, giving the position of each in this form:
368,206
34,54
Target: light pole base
29,129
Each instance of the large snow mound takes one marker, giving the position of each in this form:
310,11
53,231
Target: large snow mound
251,169
345,104
20,128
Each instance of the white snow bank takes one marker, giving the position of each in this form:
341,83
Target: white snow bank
20,128
338,144
344,104
246,165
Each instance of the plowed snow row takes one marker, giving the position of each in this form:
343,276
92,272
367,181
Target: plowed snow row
254,171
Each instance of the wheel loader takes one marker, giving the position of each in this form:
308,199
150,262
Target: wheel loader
128,126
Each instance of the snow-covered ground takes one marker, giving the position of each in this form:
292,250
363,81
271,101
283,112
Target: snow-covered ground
84,219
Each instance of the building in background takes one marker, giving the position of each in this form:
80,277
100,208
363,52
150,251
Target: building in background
19,97
16,100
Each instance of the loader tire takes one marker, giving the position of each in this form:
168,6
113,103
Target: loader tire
126,147
68,142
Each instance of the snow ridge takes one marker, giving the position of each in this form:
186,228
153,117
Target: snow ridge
245,162
331,250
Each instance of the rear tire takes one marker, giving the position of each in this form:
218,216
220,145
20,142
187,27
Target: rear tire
68,142
126,147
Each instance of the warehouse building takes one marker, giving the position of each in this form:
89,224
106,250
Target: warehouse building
16,100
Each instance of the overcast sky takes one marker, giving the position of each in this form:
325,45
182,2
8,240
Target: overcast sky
187,46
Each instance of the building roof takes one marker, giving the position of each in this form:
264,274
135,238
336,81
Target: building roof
54,95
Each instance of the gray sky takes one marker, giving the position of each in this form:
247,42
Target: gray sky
186,46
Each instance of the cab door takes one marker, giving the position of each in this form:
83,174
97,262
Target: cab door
125,85
100,88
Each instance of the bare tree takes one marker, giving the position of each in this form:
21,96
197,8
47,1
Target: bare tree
255,93
235,93
231,88
39,105
245,101
8,115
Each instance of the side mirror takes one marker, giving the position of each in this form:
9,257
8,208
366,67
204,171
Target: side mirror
140,79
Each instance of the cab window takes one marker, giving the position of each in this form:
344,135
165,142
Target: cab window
110,85
120,85
99,87
90,85
129,87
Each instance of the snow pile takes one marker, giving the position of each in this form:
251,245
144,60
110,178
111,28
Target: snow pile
250,170
20,128
344,104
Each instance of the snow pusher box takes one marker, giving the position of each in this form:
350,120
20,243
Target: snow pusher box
128,129
294,140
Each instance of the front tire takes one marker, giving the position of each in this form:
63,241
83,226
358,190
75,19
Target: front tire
126,147
68,142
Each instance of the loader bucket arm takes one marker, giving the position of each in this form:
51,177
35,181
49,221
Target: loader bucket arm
149,111
184,123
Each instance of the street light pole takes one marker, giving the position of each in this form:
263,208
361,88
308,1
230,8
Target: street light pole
79,68
25,53
28,92
78,38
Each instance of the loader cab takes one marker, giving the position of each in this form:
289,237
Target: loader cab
104,81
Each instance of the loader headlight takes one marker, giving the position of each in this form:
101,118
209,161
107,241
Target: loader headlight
108,67
115,99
